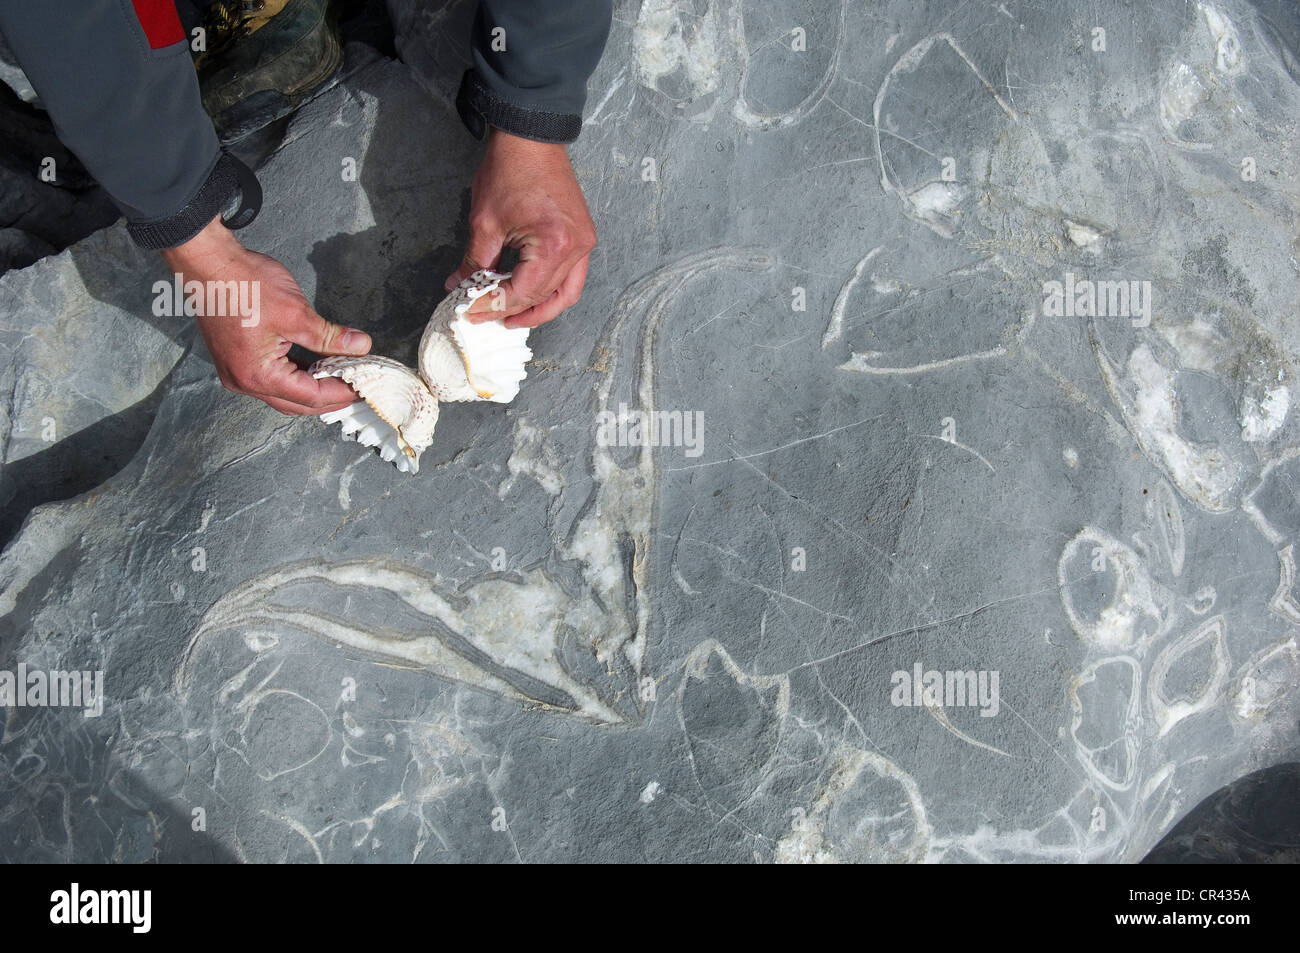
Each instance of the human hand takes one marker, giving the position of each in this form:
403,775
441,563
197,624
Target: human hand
525,196
251,351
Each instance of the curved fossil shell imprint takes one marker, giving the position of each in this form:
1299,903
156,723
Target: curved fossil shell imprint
458,360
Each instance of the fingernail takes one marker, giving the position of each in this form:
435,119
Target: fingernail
452,281
355,341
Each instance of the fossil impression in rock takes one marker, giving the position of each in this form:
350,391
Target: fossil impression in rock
458,360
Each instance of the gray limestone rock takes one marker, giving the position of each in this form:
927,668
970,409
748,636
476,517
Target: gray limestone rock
974,541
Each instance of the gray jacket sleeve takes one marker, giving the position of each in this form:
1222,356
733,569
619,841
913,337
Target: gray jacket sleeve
532,60
117,80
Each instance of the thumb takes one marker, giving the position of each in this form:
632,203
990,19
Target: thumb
325,337
484,251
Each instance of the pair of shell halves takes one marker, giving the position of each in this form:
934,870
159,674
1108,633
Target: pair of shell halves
458,360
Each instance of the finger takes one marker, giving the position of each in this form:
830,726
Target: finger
287,407
565,297
484,251
318,396
324,337
533,282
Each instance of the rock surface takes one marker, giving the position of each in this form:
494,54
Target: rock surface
547,648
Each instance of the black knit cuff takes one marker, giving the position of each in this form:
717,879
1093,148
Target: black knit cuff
228,179
479,108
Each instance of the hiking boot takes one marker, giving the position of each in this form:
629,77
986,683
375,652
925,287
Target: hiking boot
222,23
265,58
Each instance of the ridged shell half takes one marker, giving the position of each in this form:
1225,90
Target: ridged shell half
396,413
466,360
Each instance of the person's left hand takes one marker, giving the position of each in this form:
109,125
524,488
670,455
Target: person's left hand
526,197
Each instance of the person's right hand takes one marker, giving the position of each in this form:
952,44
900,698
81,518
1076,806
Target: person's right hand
525,196
251,352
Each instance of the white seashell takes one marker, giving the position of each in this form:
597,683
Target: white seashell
494,357
465,360
458,360
396,413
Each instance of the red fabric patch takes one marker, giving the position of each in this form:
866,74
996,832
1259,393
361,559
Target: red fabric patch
160,22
